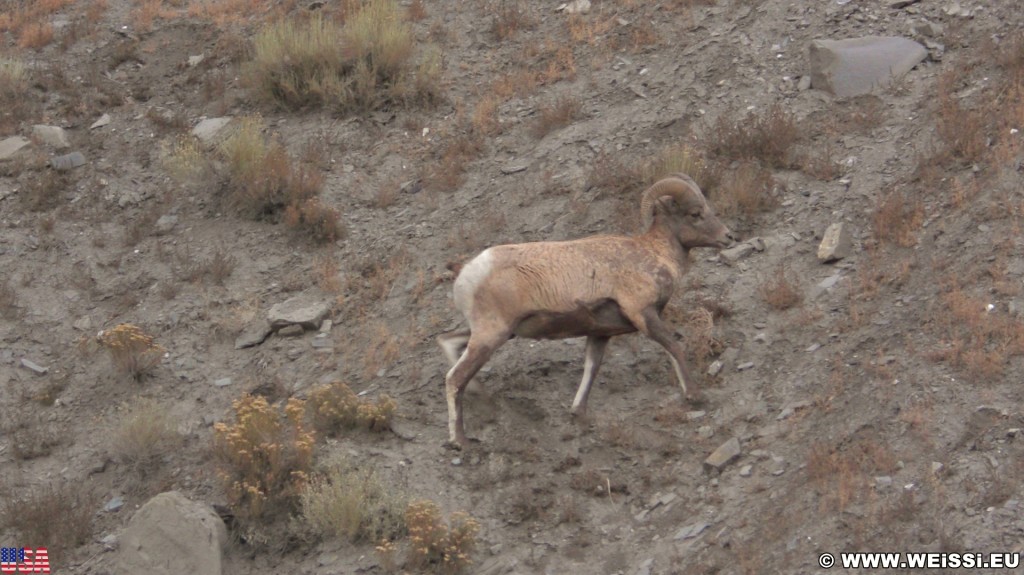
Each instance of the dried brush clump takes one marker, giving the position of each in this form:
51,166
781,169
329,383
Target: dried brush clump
355,504
58,517
334,407
769,138
265,457
134,352
435,545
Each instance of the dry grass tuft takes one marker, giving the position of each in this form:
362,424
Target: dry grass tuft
8,300
351,503
60,519
974,338
747,189
555,115
510,18
768,138
316,220
898,216
357,66
961,130
145,434
779,290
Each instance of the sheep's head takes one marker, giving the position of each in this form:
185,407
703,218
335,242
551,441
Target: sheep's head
681,205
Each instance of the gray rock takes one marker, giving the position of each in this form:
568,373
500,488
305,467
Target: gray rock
321,341
210,129
102,121
724,455
575,7
305,310
744,366
691,531
172,535
67,161
11,146
194,61
109,542
715,368
746,470
165,224
836,243
513,169
928,29
294,330
901,3
33,366
645,567
737,252
52,136
695,415
804,83
326,326
858,66
115,504
254,333
222,382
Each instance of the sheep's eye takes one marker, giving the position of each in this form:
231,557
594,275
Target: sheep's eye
695,215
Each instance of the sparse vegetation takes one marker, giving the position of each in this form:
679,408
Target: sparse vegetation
357,66
8,300
447,548
265,457
133,352
780,291
335,407
557,114
60,519
352,503
897,217
768,137
145,434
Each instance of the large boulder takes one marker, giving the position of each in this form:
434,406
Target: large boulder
860,65
172,535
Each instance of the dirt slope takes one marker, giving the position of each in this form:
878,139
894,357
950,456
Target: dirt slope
881,413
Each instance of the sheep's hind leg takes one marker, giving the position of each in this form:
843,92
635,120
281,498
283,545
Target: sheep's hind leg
477,353
453,344
591,364
651,325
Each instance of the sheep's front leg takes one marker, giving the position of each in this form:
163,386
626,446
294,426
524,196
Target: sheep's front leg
591,364
650,324
478,351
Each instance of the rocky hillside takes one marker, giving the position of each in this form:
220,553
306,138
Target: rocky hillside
168,178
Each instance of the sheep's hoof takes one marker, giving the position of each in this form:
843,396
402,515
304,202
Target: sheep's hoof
452,445
696,400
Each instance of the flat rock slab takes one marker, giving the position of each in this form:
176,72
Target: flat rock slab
860,65
53,136
254,333
209,129
171,535
67,161
305,310
11,146
724,455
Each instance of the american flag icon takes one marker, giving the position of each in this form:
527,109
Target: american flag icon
24,560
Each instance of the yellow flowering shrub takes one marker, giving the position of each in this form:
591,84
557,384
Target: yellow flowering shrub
133,351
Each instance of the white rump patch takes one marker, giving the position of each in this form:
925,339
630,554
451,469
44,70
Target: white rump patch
472,275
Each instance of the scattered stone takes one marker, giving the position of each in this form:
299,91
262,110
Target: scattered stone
804,84
858,66
172,535
825,285
715,368
695,415
937,467
53,136
792,408
321,341
326,326
208,130
304,310
102,121
294,330
744,366
883,481
457,461
165,224
746,470
705,432
513,169
724,455
11,146
254,333
222,382
928,29
645,567
575,7
33,366
813,348
737,252
109,542
194,61
68,161
691,531
83,323
901,3
836,243
114,505
1013,432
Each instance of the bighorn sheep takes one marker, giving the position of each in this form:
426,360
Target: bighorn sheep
598,287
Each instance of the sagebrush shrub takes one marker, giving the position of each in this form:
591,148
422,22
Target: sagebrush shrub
133,351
